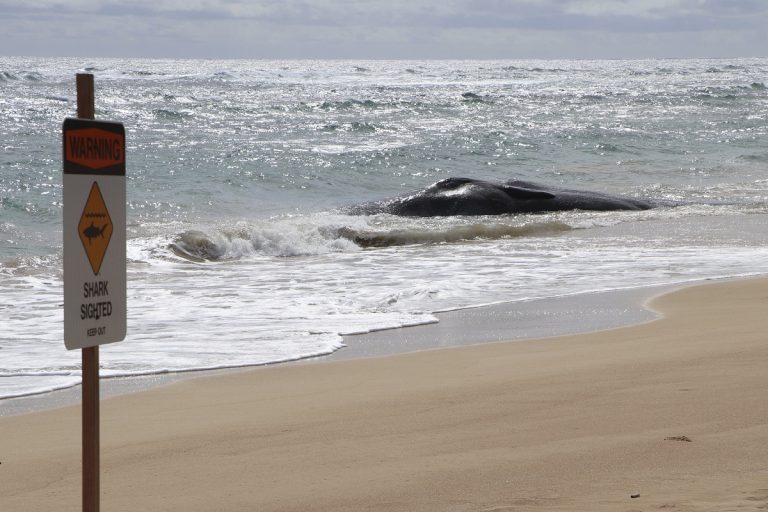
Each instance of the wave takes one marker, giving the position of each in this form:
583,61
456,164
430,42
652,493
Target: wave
278,239
29,209
32,76
603,148
143,73
348,104
415,236
757,157
471,97
317,237
329,233
36,372
173,115
223,76
28,266
728,92
197,246
366,105
547,70
353,127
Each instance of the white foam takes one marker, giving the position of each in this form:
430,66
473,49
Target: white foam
262,309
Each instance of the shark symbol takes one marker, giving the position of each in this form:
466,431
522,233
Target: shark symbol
92,232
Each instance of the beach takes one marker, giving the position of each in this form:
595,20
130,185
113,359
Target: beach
668,414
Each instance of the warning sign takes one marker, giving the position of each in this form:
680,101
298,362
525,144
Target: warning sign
94,233
95,228
94,147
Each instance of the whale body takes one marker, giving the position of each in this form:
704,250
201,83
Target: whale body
468,196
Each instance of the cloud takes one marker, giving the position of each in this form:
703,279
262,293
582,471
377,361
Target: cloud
396,28
404,13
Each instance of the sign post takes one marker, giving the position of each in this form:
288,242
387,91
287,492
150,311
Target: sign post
94,258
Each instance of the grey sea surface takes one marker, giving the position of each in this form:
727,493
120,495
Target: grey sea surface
239,248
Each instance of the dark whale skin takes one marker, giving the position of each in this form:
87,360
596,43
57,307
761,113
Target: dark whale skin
468,196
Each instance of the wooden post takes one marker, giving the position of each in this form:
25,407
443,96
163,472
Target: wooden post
91,444
90,355
85,96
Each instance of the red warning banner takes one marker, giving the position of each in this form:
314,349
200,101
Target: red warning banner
94,147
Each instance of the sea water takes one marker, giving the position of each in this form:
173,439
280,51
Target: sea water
239,252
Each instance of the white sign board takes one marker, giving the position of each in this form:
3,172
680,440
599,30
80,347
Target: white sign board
94,233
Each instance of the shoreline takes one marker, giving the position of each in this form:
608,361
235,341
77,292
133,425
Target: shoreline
668,414
505,321
514,321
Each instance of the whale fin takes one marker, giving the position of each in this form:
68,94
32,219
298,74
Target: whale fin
526,193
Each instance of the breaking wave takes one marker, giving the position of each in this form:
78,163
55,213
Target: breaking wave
292,240
261,240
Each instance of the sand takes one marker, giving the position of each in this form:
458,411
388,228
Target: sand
674,412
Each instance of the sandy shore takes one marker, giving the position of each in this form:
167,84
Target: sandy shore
522,320
675,411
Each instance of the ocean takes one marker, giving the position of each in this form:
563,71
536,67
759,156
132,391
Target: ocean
238,172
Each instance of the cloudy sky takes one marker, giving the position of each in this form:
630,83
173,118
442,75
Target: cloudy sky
373,29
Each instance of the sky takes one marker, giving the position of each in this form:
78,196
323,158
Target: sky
385,29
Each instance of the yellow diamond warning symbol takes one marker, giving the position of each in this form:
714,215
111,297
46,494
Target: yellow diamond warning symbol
95,228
